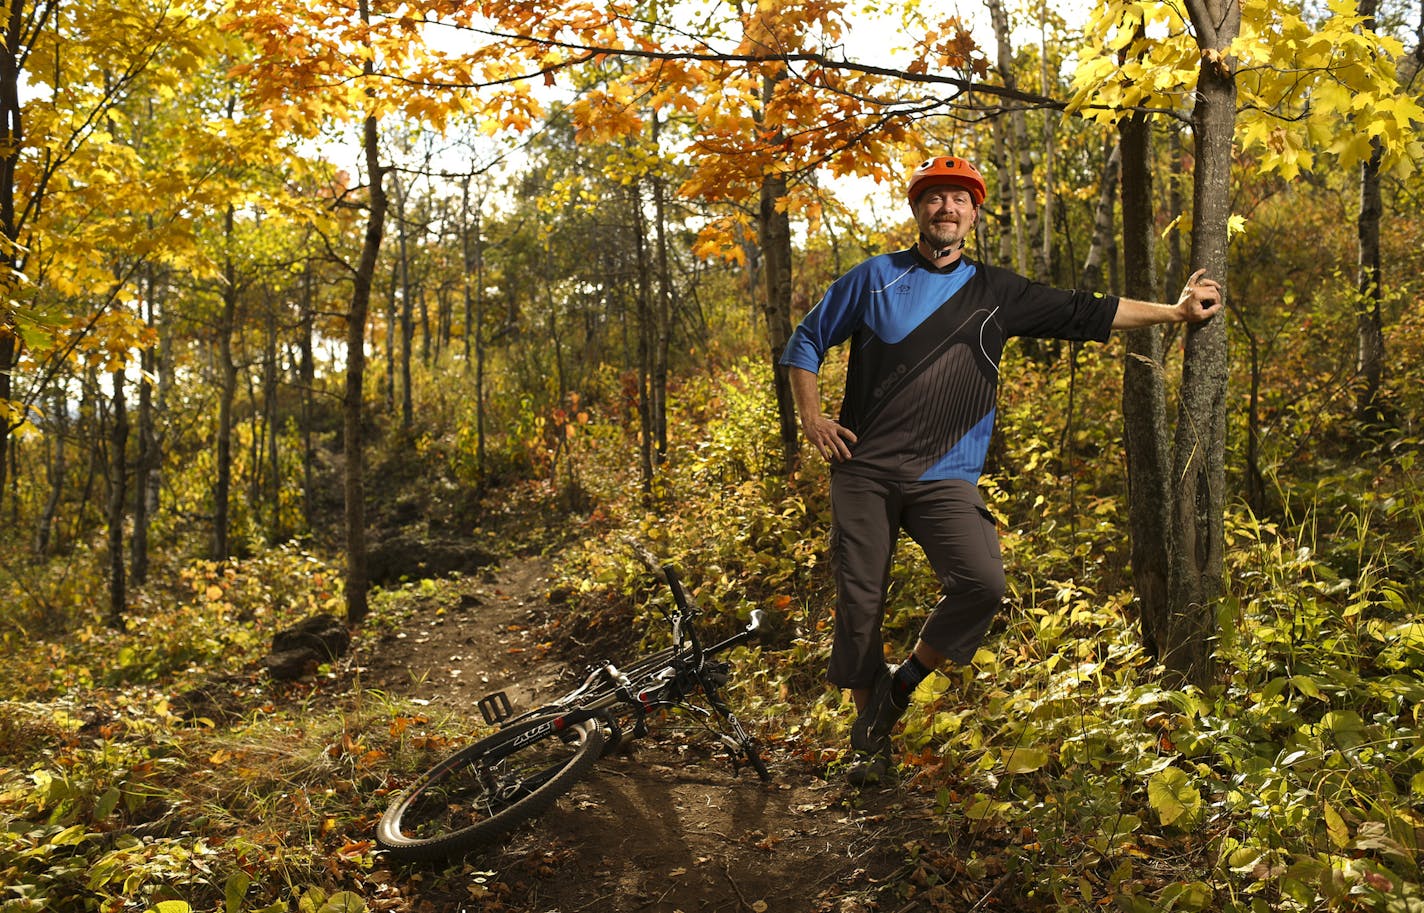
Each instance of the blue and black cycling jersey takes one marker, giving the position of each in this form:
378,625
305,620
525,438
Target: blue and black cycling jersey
925,345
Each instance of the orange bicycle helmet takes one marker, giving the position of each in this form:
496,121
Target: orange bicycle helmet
947,169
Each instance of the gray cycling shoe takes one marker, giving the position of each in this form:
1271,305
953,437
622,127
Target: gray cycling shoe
870,733
868,768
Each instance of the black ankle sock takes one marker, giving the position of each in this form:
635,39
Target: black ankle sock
909,674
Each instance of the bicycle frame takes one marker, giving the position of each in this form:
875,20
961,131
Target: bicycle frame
484,789
659,682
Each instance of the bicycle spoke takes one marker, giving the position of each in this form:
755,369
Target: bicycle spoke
480,789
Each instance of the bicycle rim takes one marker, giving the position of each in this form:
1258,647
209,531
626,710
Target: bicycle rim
484,790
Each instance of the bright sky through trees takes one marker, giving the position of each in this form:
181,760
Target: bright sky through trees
873,35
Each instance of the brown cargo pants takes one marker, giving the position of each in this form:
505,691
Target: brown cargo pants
949,521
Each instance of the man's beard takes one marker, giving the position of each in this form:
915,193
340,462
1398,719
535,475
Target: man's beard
943,235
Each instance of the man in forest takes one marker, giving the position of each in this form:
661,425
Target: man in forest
927,327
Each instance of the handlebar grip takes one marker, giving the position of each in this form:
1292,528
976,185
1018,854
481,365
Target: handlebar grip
674,582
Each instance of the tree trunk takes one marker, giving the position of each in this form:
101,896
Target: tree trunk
1197,543
1369,363
56,431
357,576
12,142
407,311
646,460
9,358
551,313
425,334
392,321
774,237
1050,146
444,317
1370,360
118,495
145,464
1256,492
306,369
14,485
227,392
1144,397
776,306
164,369
1028,226
1174,274
474,313
1004,198
662,319
467,264
256,436
271,376
22,23
1092,277
88,435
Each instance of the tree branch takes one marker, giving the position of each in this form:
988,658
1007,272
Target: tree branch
588,52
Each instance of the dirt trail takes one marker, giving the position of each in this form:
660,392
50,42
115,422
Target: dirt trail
668,828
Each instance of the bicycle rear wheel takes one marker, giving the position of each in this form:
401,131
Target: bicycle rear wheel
484,790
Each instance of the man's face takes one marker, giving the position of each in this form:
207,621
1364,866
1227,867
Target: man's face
945,214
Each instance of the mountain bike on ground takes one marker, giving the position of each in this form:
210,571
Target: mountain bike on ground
485,789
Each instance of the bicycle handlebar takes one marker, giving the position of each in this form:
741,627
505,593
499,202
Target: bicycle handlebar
684,604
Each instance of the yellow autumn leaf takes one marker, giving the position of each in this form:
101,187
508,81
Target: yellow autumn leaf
1025,760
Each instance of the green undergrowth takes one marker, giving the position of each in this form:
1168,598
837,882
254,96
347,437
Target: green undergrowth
111,801
1063,773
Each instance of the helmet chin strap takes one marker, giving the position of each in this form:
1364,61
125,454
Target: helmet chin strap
942,251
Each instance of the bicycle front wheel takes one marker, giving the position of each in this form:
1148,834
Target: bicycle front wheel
486,789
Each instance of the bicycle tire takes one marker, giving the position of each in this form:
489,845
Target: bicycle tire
486,789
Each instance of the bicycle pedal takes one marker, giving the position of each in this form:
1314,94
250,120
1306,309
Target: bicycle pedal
495,708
